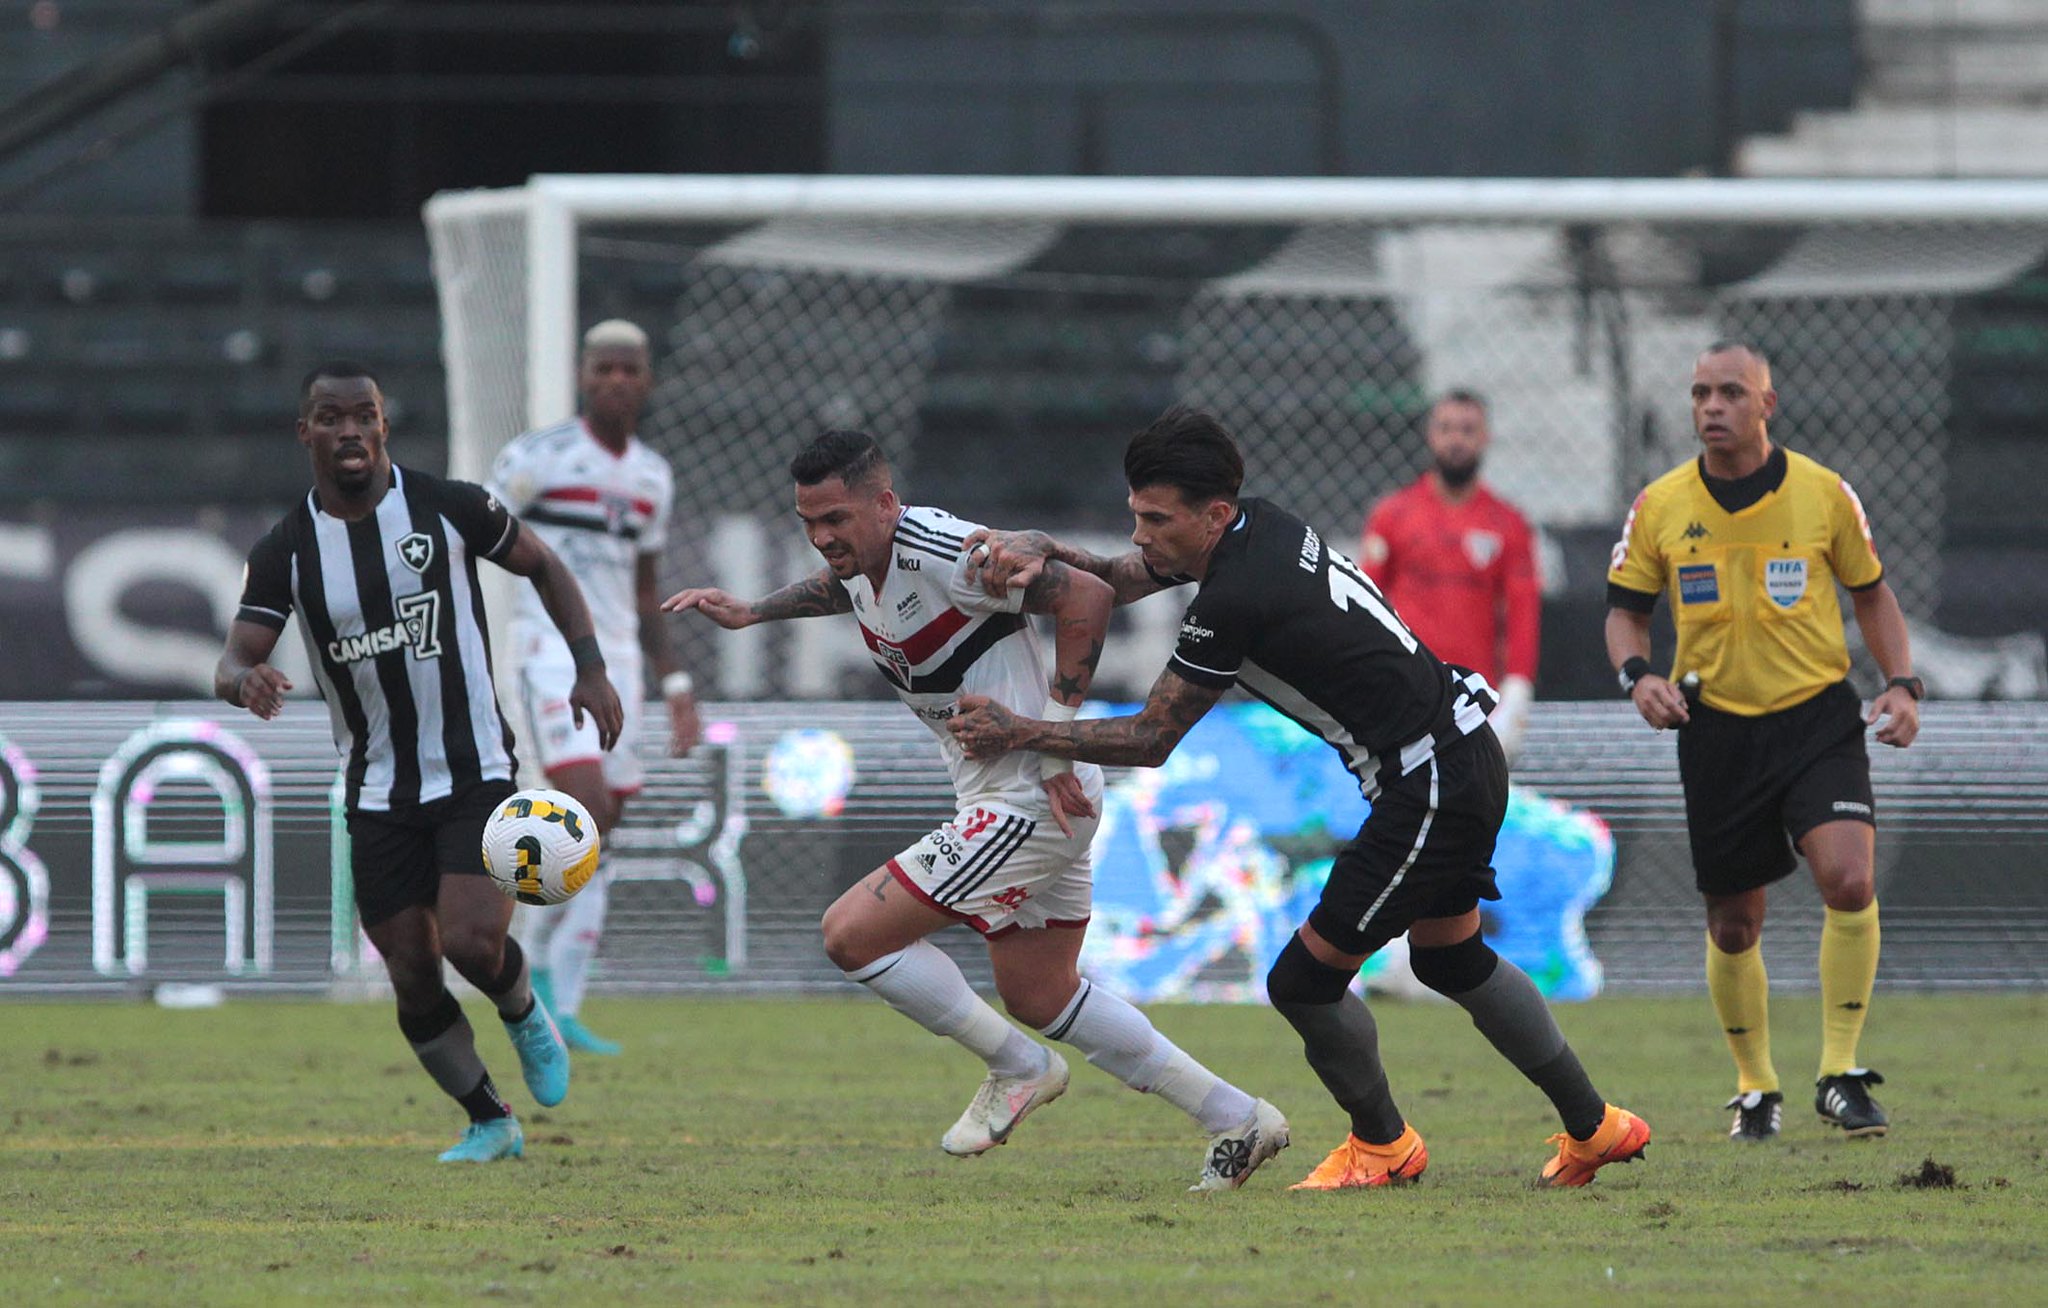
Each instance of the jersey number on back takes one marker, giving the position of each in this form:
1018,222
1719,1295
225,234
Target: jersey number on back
1351,588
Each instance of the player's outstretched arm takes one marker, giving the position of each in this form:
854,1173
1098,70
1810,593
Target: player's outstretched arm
678,691
1079,605
986,729
1628,638
1005,560
816,596
244,677
1883,625
563,599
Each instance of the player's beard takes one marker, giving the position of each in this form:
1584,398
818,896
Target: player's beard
1457,476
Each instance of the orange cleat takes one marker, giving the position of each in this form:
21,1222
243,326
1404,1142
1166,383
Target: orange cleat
1356,1164
1622,1138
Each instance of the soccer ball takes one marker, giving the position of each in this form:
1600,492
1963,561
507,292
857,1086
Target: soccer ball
540,847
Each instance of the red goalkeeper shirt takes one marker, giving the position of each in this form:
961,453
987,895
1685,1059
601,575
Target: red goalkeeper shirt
1462,576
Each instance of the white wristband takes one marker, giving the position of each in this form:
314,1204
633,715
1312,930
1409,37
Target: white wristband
1050,766
677,683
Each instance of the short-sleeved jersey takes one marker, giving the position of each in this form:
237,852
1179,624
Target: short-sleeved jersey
935,635
1463,576
1302,627
599,511
1753,591
394,627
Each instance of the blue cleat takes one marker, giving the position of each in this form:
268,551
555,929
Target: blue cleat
582,1040
543,1058
487,1142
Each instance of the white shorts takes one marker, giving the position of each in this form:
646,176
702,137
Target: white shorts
546,676
998,872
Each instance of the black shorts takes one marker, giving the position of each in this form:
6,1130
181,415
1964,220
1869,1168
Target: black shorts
1754,786
1426,849
397,858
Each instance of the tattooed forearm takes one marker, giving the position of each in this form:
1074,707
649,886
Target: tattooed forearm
813,597
1141,740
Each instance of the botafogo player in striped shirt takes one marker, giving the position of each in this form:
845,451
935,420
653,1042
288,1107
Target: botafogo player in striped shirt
379,565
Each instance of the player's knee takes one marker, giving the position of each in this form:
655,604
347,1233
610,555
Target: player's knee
1299,977
1038,1003
1455,969
846,945
1734,933
1846,888
415,982
475,950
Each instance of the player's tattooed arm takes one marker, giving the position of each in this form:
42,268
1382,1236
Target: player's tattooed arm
985,729
814,597
1080,606
1004,560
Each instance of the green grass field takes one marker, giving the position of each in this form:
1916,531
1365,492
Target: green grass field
785,1151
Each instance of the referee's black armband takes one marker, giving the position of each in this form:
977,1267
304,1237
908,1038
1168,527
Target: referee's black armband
584,651
1635,601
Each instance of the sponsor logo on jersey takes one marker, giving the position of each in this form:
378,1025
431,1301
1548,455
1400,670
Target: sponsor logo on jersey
908,606
416,551
1851,806
1311,550
1482,547
906,564
417,629
1695,530
1785,581
937,712
1191,630
1698,583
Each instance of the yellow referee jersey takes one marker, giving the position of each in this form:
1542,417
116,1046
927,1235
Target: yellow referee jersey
1753,592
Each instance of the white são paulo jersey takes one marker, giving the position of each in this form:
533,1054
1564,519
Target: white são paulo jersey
598,510
935,636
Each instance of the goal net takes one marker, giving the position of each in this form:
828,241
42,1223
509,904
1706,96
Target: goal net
1002,338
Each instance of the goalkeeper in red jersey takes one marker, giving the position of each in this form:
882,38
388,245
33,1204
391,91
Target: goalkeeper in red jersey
1458,564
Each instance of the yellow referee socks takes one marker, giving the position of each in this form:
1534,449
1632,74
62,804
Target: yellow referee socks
1848,972
1742,1000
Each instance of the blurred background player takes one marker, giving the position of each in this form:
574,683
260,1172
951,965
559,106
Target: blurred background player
1749,541
379,563
1016,862
1457,563
601,499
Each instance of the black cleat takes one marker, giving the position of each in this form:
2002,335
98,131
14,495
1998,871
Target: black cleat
1845,1101
1758,1115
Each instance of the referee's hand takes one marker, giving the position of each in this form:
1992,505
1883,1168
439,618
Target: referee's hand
1659,702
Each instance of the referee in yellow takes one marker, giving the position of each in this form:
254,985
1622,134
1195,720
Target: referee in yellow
1749,540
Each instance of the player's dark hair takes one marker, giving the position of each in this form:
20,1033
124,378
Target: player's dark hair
1188,450
851,456
1463,395
335,368
1727,343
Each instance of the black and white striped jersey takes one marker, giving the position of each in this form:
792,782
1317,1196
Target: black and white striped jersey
1303,628
394,626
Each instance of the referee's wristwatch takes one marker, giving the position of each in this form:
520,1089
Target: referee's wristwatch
1632,671
1911,685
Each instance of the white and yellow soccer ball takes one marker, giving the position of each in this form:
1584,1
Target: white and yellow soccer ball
540,847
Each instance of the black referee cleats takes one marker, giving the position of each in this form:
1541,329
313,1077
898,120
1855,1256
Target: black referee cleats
1844,1100
1758,1115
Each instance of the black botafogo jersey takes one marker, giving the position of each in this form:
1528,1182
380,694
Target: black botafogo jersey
1303,628
395,629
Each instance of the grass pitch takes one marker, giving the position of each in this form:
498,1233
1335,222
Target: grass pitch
785,1151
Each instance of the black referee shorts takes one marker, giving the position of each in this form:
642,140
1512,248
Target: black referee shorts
1754,786
397,858
1425,851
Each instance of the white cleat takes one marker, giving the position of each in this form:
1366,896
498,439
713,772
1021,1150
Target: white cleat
1234,1155
1000,1104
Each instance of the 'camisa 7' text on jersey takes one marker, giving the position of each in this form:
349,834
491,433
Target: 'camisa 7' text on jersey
599,511
394,626
1303,628
935,635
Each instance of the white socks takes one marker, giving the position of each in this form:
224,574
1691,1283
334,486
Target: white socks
569,943
925,986
1122,1041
